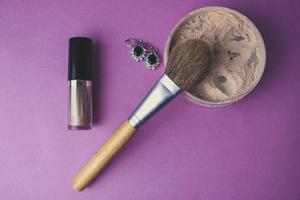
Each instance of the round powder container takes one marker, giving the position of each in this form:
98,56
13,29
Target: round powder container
238,54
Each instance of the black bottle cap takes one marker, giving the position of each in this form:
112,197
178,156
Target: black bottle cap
80,58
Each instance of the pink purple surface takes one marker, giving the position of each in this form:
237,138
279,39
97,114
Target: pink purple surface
249,150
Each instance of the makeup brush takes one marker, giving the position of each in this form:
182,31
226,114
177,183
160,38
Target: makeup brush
188,64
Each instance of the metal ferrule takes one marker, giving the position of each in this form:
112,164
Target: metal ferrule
162,93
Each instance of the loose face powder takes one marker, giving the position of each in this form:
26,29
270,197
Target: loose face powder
238,54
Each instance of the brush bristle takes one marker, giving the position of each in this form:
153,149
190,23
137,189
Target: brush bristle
188,63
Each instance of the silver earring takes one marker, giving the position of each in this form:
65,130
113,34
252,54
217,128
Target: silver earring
138,49
152,60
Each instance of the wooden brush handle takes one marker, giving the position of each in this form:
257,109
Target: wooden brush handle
103,156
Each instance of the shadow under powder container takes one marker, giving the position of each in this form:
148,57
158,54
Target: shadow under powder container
80,83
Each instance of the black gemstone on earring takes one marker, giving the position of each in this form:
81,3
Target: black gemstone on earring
152,59
138,51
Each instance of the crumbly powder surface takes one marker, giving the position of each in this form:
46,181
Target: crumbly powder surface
237,51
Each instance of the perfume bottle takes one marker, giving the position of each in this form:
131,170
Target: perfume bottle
80,83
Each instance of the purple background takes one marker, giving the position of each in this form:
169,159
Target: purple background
248,150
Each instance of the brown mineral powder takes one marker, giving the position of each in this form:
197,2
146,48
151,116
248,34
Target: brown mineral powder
237,50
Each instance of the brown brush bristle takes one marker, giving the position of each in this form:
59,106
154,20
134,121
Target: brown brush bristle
188,63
